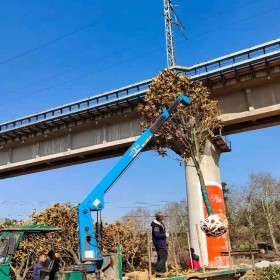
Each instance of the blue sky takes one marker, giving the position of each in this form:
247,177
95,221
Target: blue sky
76,49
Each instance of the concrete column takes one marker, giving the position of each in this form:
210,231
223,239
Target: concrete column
69,141
10,156
249,99
210,246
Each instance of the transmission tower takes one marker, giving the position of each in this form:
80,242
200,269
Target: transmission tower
170,44
169,14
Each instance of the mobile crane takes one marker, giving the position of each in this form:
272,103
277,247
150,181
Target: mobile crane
91,259
94,202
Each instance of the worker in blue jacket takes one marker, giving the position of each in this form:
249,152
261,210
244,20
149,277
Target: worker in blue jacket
39,266
159,236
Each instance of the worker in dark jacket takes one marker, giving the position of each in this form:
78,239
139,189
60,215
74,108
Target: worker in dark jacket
55,257
159,239
40,271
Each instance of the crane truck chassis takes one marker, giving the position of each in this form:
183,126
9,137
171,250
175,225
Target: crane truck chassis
9,243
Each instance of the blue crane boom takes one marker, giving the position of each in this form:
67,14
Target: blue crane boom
95,199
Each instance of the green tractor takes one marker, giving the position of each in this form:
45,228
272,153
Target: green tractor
9,242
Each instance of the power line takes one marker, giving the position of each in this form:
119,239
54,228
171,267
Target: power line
151,216
44,61
230,10
139,56
78,78
76,50
232,23
82,28
51,203
152,37
47,60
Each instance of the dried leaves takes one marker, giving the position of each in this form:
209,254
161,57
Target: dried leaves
200,117
133,243
64,216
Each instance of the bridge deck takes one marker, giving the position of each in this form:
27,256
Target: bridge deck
246,61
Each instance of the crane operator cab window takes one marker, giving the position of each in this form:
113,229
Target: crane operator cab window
8,245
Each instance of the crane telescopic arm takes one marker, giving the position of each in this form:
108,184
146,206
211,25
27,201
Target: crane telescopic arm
95,199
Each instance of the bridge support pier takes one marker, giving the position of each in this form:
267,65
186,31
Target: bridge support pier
210,246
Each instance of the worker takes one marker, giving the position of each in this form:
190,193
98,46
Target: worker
54,255
40,270
159,236
193,260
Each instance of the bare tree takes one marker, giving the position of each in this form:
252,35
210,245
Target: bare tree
265,191
141,219
176,217
176,222
249,212
241,216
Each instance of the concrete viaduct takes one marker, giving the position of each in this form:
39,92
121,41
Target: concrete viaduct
246,84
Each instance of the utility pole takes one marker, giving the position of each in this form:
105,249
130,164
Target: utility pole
169,14
170,44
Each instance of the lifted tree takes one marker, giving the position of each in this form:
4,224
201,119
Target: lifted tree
188,130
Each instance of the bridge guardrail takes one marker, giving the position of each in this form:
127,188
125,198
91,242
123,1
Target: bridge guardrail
77,112
237,60
104,99
234,59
